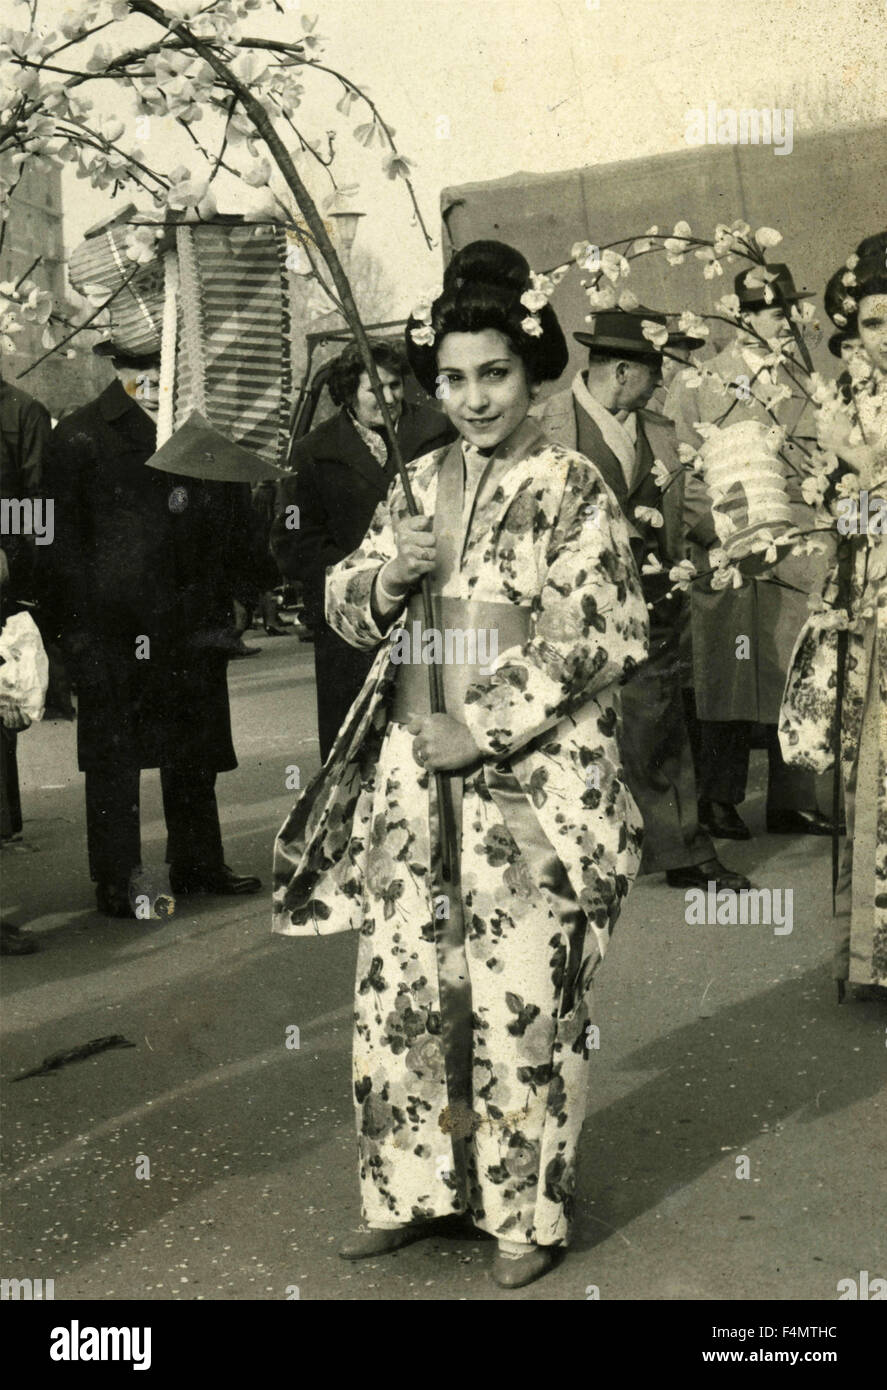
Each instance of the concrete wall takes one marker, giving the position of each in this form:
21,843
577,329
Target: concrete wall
824,196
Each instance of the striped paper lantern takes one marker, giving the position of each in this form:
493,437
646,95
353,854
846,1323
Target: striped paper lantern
101,263
238,321
746,479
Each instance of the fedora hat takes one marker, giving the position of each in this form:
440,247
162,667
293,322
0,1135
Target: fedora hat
620,332
782,286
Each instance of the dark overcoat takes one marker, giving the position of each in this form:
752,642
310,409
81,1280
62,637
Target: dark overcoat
336,484
141,577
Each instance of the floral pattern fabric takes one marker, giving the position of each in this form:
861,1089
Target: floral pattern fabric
808,719
544,532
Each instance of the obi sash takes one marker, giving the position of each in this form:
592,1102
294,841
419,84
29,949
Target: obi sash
460,623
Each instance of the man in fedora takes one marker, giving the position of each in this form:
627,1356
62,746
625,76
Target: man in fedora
603,416
738,684
142,578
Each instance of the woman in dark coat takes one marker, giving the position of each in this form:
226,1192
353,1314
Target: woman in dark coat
341,471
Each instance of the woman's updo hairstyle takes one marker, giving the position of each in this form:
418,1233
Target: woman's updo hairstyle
482,289
869,276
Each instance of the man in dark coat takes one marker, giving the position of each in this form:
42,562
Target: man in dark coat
143,573
340,473
24,433
738,700
602,415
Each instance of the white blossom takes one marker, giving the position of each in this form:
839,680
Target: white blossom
768,236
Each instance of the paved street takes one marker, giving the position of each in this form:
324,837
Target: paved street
212,1162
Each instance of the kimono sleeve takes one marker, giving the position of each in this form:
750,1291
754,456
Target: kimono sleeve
349,583
589,626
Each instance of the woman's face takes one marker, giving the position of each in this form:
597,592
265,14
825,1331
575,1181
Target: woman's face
484,386
366,407
872,320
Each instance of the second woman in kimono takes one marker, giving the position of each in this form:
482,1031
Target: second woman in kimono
852,427
475,967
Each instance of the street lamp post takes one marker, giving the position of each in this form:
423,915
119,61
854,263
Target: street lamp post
346,220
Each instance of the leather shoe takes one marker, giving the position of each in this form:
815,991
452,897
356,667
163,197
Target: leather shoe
224,882
799,823
513,1272
112,900
363,1244
721,819
701,875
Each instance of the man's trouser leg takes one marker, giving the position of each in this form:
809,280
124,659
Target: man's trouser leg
193,834
10,799
658,762
112,823
723,760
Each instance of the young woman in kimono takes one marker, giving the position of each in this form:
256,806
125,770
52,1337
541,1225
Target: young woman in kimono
855,428
473,978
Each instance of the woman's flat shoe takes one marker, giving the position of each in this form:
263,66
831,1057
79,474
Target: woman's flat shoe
365,1243
513,1273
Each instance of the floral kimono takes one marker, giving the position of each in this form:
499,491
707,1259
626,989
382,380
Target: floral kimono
807,725
496,971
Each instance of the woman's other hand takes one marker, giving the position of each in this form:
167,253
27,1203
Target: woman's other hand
441,743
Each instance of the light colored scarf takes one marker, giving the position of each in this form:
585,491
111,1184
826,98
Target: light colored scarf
617,437
375,442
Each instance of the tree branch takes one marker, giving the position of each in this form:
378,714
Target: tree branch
260,118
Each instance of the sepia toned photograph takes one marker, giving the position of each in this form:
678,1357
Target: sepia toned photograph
443,666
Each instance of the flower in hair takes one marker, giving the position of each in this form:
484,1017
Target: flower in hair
540,291
536,297
423,336
534,300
